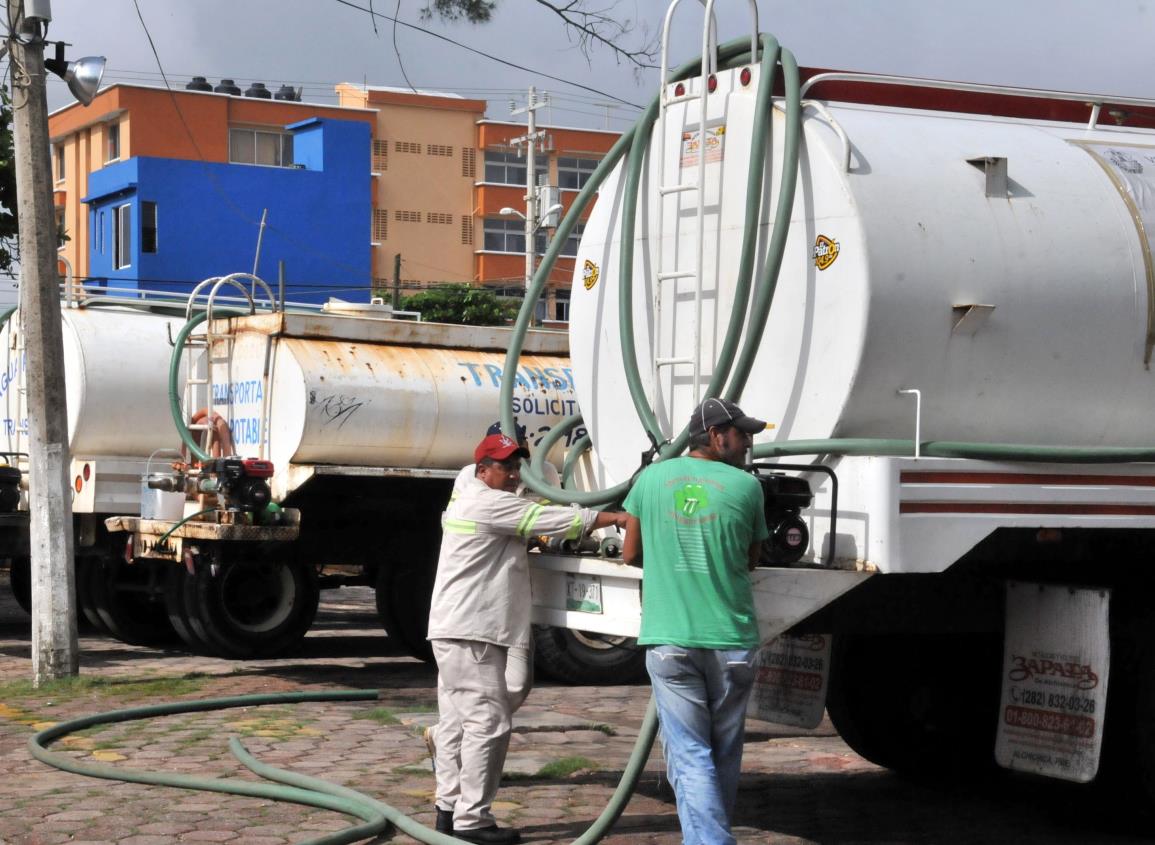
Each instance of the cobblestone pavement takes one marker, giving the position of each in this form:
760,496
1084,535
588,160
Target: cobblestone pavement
798,786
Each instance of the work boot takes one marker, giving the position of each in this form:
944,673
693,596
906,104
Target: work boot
444,823
492,835
427,735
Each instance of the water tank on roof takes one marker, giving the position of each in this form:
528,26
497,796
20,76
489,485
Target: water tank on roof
199,83
227,86
287,92
258,90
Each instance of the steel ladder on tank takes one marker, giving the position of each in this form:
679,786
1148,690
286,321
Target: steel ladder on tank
209,341
676,188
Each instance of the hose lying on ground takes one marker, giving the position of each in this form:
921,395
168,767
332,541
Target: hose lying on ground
295,788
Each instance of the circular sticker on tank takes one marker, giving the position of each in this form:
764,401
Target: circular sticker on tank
825,251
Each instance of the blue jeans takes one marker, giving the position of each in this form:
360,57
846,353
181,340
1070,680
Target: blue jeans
701,695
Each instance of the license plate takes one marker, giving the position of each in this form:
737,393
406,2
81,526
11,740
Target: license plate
583,593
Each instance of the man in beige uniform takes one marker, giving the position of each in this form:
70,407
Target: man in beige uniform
481,609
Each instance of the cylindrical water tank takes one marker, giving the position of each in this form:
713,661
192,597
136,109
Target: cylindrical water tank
198,83
116,382
258,90
1000,266
228,86
381,393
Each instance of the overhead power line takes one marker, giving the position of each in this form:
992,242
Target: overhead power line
368,10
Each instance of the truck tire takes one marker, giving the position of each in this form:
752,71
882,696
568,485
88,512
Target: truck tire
403,597
176,606
87,570
897,700
129,601
580,657
253,609
20,579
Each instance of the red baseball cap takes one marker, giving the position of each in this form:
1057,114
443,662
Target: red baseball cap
499,447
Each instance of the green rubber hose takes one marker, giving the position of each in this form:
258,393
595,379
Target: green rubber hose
301,789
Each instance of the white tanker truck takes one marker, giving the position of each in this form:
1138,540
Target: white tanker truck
114,355
354,426
948,316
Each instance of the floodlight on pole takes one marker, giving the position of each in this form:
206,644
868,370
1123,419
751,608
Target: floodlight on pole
83,75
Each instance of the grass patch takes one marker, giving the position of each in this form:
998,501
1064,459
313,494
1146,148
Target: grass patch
380,715
557,770
566,766
126,688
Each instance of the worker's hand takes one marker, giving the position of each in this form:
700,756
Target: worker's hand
620,520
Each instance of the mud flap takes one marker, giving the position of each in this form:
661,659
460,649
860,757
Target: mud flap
1056,661
790,680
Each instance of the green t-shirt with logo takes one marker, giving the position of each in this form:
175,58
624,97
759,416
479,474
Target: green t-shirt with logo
698,519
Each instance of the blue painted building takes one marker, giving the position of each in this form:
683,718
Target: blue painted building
167,224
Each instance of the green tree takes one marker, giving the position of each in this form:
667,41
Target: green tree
9,245
460,303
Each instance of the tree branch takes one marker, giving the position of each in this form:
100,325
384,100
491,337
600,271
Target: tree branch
586,26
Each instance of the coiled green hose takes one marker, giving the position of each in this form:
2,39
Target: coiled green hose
296,788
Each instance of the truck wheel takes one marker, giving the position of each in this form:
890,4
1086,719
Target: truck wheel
896,699
403,597
175,603
254,608
87,570
129,600
581,657
20,579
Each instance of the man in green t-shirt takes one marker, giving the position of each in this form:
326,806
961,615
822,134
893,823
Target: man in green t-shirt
701,523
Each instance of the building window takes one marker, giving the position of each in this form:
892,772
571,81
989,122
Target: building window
573,173
467,229
469,162
407,216
503,235
570,247
113,142
438,217
100,232
58,160
148,227
260,146
122,237
504,168
380,156
561,306
439,150
380,225
412,147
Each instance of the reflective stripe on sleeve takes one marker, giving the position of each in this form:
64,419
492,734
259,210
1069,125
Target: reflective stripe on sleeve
575,529
458,526
528,520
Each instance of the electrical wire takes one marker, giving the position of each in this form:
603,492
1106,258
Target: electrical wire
489,56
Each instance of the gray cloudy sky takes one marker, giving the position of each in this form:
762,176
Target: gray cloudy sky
1101,46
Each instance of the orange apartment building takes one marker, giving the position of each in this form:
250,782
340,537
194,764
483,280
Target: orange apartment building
441,173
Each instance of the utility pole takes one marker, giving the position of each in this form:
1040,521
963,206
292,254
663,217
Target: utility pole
397,281
55,651
530,139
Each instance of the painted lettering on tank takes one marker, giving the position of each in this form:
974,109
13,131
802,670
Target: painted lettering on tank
15,368
12,426
248,392
246,431
542,395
